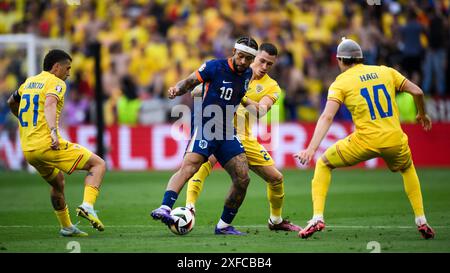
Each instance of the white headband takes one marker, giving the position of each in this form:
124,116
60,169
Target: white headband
245,49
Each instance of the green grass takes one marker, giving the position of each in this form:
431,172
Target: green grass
362,206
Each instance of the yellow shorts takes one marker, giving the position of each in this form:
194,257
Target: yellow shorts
49,162
351,151
256,154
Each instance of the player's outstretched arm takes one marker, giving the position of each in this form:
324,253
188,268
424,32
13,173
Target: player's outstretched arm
418,95
322,127
260,108
183,86
14,102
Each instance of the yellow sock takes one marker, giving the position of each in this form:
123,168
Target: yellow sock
195,184
90,195
320,185
412,189
275,194
63,217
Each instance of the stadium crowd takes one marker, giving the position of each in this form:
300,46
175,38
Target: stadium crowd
148,46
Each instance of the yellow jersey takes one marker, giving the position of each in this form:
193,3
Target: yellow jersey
369,94
257,89
33,129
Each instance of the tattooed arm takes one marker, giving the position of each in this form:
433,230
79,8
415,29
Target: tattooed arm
184,86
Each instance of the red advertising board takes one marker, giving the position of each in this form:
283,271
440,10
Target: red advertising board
161,147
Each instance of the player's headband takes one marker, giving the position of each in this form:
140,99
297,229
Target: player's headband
245,49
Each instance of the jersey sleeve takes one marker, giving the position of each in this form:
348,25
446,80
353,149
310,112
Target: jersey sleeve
274,92
398,78
336,93
206,71
56,88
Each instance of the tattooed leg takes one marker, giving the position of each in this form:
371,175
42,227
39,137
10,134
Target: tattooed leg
237,167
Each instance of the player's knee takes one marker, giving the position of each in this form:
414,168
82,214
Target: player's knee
101,165
96,161
57,183
276,178
190,168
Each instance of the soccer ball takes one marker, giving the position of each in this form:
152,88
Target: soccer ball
184,221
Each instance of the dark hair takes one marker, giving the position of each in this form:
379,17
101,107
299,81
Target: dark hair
411,15
55,56
350,61
129,88
269,48
248,41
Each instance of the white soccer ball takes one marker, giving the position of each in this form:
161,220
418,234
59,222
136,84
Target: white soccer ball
184,221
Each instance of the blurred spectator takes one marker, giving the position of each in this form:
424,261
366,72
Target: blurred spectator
292,81
370,39
120,59
93,27
110,81
76,109
435,57
128,105
83,85
411,47
4,109
153,44
154,107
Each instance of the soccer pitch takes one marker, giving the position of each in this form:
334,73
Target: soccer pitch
362,206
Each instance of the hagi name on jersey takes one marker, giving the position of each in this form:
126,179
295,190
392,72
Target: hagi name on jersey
368,77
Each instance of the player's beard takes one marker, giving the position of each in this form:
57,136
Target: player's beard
239,68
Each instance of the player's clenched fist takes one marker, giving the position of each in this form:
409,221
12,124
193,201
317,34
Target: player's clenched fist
172,92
